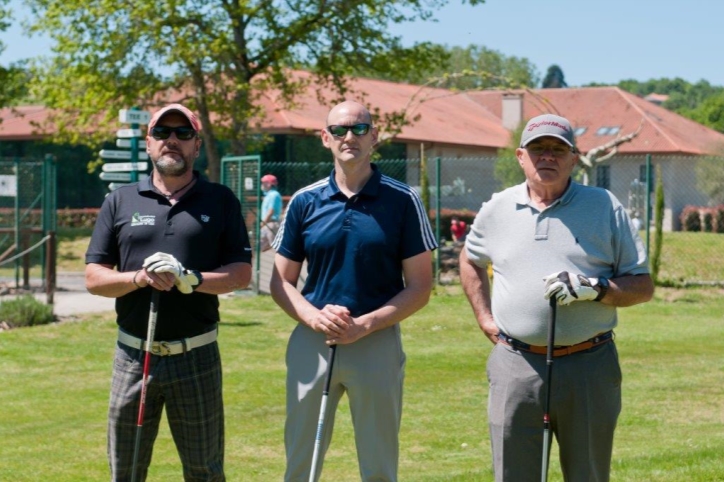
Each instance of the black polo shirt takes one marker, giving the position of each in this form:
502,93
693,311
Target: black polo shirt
204,230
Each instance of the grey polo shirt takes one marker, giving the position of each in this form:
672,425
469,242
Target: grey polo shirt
586,231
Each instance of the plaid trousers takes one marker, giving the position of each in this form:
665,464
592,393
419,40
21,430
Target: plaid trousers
189,386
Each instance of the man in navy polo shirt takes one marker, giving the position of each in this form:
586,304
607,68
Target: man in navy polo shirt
145,235
368,243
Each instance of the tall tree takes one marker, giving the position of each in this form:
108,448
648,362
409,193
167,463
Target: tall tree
13,79
222,55
554,78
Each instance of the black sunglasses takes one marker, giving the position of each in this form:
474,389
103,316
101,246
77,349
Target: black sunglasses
341,131
183,133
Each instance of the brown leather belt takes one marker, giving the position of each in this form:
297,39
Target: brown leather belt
558,350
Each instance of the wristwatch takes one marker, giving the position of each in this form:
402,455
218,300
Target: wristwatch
603,285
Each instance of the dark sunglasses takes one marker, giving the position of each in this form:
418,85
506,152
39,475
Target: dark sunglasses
556,150
183,133
341,131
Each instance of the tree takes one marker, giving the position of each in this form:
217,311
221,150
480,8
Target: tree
603,152
507,169
710,178
554,78
485,69
220,56
13,78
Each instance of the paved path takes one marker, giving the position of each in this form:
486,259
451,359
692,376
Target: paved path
71,297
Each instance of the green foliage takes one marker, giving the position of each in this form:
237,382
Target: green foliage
474,67
710,178
658,225
554,78
25,311
709,112
424,182
507,170
220,57
690,219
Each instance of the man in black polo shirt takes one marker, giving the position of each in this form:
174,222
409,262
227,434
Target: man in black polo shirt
184,236
368,243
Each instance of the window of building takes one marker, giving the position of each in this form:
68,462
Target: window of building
579,131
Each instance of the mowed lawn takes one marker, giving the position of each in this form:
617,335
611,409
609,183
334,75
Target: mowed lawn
55,383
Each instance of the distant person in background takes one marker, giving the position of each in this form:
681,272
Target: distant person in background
271,210
458,229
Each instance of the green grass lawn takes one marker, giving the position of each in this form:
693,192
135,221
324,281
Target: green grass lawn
55,384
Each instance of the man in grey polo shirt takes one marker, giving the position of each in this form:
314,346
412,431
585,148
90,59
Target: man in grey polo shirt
551,237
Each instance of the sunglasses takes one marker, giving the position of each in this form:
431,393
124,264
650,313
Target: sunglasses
183,133
341,131
557,150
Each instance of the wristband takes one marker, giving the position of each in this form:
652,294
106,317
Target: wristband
134,279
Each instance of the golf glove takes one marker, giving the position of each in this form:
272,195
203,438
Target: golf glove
187,280
569,287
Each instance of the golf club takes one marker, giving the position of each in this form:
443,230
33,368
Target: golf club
322,410
152,316
549,373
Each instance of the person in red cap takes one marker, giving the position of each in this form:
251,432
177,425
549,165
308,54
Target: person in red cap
146,236
271,211
458,229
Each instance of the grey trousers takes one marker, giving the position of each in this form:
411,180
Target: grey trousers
371,371
585,404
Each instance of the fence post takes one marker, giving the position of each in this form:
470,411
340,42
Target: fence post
647,222
50,268
437,219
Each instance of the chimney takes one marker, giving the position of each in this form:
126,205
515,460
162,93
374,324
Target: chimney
512,110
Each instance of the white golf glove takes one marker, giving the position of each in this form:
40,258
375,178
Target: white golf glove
186,280
569,287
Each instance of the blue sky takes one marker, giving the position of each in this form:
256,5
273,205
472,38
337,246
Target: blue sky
591,40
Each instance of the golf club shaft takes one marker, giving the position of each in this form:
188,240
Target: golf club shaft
549,377
150,334
322,412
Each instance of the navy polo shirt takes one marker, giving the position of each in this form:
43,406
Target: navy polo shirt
204,230
354,247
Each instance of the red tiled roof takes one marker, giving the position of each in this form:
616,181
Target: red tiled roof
471,119
663,132
17,122
445,117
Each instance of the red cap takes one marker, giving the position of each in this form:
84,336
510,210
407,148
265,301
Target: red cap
270,178
193,120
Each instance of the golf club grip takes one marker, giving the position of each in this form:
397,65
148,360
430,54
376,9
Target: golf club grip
330,364
551,330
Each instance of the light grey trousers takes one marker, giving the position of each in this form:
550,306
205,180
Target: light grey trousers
585,404
371,371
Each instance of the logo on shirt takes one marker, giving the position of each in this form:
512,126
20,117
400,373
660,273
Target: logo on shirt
205,218
139,219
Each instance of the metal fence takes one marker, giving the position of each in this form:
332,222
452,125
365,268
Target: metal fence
28,192
460,185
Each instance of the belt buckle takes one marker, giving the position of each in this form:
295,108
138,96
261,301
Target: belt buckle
160,348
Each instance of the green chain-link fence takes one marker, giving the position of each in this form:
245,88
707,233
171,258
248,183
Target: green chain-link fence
27,216
458,186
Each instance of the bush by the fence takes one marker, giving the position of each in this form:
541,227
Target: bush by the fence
690,218
77,218
719,219
708,221
25,311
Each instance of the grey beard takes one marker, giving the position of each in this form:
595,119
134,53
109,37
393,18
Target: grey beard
172,168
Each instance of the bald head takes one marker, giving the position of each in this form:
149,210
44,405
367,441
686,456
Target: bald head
349,108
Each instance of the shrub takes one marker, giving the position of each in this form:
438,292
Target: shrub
25,311
719,219
708,221
690,219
